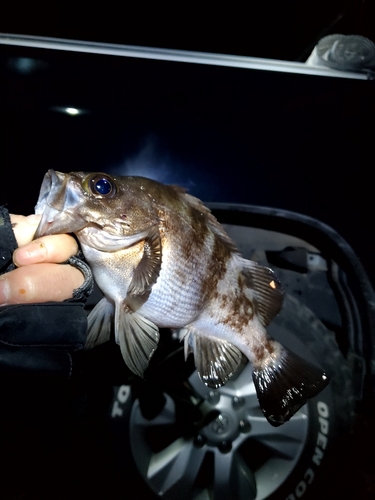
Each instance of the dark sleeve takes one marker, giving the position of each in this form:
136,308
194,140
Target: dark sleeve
8,242
40,338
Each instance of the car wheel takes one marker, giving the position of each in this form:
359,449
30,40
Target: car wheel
233,452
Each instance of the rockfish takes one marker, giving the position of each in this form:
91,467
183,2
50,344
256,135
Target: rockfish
161,259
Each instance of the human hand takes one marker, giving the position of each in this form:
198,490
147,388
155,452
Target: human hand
39,276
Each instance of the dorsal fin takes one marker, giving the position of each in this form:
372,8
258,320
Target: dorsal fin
211,221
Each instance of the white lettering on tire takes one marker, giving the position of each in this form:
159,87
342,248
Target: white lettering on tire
321,445
122,396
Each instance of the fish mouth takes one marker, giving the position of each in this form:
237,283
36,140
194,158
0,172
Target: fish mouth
57,205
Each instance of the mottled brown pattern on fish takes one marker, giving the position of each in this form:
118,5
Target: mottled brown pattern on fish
215,271
258,353
245,279
269,346
241,308
195,239
223,300
263,352
241,313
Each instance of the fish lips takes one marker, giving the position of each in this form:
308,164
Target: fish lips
57,204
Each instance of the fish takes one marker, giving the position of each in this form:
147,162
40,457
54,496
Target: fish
162,260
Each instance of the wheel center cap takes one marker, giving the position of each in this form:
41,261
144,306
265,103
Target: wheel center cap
220,425
223,428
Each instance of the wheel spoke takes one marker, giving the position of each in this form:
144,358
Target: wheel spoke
232,478
173,471
284,441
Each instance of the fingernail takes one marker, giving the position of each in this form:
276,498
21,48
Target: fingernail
4,290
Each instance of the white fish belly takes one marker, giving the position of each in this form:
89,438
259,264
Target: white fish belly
176,297
173,302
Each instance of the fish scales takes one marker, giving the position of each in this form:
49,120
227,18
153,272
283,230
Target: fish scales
162,260
176,297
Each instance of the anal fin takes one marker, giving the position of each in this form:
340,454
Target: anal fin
138,338
216,360
285,384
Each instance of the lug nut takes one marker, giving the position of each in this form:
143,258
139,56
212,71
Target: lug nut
244,426
225,446
200,441
213,397
238,402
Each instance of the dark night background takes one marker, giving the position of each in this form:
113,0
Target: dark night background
302,143
297,142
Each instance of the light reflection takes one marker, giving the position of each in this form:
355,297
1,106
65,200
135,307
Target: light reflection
25,65
153,161
69,110
72,111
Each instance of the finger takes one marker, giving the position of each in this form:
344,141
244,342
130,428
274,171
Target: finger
55,248
24,227
39,283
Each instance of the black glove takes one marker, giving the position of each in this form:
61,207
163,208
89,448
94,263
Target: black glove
37,338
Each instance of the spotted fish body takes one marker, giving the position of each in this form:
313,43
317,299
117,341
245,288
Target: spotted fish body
161,259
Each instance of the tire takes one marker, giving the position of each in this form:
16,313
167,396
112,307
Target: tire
238,454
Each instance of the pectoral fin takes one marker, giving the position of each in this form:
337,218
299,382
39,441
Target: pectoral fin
99,323
138,338
148,269
216,360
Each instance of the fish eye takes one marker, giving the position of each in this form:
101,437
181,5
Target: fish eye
100,185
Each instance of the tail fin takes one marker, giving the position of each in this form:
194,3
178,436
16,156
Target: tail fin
285,385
